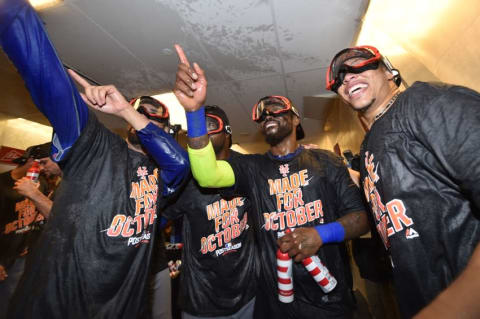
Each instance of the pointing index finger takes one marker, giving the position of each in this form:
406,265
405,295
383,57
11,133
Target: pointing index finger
84,83
181,55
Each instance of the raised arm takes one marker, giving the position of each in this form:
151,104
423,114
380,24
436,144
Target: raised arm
191,91
26,43
29,189
168,154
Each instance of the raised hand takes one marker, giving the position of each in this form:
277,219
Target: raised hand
191,84
104,98
26,187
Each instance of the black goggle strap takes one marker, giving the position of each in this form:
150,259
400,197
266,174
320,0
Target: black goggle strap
396,74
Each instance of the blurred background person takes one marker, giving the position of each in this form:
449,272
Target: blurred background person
24,207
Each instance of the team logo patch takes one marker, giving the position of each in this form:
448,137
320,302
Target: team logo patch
284,170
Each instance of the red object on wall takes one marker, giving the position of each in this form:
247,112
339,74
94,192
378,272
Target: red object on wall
7,154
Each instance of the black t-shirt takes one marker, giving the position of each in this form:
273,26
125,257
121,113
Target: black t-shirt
159,258
420,170
20,221
311,188
218,274
93,258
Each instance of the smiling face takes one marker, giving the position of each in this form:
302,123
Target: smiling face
367,91
277,127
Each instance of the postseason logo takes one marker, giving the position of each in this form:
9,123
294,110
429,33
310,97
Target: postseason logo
229,248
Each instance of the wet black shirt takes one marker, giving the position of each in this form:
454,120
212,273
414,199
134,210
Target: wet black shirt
310,189
420,170
93,258
218,274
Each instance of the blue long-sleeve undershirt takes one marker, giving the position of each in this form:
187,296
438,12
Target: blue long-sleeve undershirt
25,41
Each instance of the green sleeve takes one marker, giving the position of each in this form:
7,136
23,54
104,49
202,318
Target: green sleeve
208,171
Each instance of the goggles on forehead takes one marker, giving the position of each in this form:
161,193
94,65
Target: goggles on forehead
215,124
161,113
281,103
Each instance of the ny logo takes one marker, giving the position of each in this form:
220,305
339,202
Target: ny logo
142,172
284,170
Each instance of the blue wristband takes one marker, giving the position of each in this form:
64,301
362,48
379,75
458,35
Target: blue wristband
331,232
196,125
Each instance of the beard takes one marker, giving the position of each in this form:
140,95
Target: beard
133,138
282,132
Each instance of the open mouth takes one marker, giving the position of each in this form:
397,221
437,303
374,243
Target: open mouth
356,89
270,124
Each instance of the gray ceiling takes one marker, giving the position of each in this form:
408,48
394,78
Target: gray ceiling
248,48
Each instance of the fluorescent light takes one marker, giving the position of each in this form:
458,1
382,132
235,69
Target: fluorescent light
177,113
43,4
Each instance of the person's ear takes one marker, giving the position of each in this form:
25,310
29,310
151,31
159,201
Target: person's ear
389,75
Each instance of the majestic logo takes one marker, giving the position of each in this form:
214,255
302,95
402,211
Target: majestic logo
411,233
136,227
390,218
291,209
284,170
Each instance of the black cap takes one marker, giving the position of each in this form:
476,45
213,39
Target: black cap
217,110
300,132
35,152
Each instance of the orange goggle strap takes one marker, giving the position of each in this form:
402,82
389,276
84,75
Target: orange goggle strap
288,106
332,72
136,105
221,126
